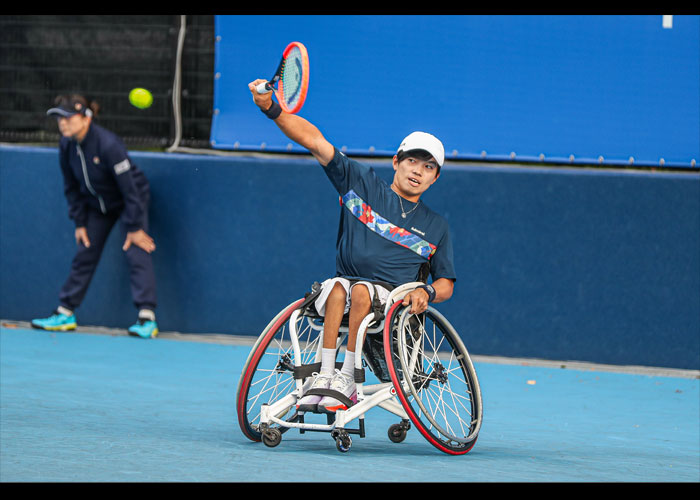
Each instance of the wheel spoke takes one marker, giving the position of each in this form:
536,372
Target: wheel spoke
439,380
272,378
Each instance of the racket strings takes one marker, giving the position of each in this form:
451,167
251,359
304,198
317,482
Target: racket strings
292,76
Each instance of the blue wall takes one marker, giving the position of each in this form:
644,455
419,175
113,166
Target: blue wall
557,263
589,86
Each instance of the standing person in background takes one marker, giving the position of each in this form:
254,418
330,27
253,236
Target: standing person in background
101,186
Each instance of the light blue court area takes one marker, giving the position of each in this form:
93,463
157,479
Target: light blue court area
100,406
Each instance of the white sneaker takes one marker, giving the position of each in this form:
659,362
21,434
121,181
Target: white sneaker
344,384
320,381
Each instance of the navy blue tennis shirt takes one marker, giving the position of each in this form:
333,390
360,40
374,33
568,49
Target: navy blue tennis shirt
374,241
98,172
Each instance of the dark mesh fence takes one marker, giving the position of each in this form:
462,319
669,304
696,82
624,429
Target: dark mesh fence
103,58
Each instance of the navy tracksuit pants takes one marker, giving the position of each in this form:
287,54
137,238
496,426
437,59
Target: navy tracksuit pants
142,275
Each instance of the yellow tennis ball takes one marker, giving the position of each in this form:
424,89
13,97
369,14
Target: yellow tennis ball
141,98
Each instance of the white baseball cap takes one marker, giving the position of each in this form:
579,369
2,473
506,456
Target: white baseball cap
426,142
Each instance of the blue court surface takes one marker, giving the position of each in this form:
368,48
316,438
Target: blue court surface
99,406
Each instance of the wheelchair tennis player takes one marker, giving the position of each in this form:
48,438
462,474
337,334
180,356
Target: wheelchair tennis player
387,237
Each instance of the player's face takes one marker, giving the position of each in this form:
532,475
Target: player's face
412,177
74,126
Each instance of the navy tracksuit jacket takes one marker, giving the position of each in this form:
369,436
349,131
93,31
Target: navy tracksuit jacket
102,186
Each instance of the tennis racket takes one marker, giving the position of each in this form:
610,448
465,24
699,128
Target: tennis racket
291,77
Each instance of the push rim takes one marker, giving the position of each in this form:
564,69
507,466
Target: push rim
443,399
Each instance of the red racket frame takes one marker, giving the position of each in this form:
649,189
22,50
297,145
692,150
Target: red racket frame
304,78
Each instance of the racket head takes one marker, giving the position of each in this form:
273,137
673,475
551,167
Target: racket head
293,82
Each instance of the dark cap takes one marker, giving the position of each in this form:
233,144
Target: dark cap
68,106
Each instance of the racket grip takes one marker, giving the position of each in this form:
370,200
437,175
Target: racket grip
263,88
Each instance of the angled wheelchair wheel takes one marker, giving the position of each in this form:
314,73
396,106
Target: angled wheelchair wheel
434,378
268,375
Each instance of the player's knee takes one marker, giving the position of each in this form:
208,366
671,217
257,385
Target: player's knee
360,297
337,294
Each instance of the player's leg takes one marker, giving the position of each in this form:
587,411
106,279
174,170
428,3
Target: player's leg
335,306
332,307
343,381
360,307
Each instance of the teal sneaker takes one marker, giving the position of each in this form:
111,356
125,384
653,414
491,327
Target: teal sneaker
56,322
144,328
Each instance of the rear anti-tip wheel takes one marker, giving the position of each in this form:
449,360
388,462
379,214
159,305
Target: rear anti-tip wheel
271,437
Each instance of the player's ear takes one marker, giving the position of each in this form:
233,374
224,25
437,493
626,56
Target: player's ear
395,162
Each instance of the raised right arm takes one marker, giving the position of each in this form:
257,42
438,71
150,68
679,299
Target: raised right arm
295,127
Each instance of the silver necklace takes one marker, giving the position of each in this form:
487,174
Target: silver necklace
403,212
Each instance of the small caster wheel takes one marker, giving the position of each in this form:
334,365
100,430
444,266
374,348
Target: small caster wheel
271,437
397,433
343,444
343,441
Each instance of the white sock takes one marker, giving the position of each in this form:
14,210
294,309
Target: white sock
327,361
64,310
349,364
147,314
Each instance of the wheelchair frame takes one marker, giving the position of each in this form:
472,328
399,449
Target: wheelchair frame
384,394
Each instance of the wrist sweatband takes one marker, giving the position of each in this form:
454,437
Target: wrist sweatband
430,290
273,112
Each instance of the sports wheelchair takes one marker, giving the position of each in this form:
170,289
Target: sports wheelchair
425,375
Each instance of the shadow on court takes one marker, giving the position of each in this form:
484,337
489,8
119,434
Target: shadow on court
104,407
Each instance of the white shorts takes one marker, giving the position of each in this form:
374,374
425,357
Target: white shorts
328,285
